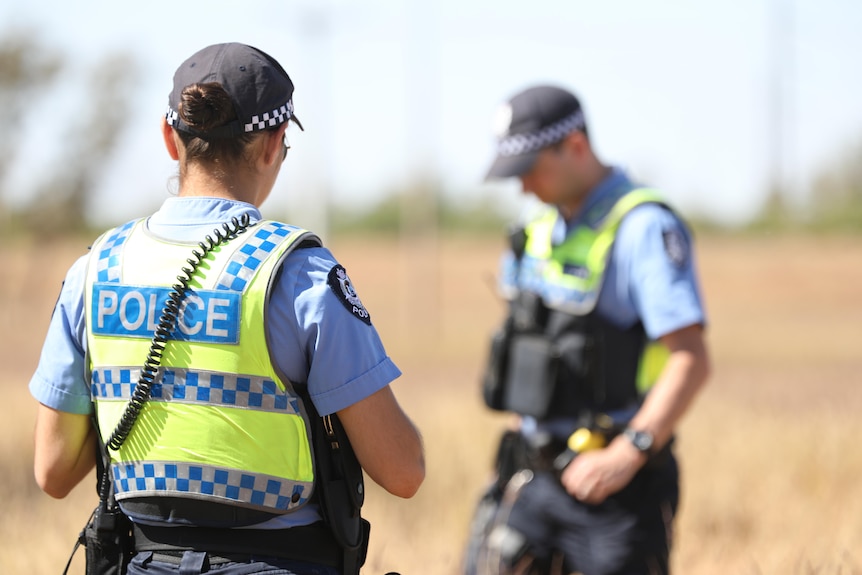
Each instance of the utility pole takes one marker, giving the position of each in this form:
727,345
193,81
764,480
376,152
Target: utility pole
316,26
781,16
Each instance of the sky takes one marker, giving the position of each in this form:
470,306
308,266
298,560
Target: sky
708,100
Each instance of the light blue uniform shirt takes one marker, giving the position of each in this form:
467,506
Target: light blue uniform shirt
651,275
313,337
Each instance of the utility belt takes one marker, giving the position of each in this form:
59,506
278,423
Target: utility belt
309,543
552,454
544,451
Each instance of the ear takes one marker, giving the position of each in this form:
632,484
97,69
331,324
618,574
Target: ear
170,143
577,144
273,147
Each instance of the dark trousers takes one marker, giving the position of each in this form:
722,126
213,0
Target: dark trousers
197,562
628,534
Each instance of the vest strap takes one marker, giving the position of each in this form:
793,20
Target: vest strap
309,543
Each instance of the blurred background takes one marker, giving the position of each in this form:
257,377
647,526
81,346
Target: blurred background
745,113
732,107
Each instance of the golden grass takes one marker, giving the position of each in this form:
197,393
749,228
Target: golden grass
770,453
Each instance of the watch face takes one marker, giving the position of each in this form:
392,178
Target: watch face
642,440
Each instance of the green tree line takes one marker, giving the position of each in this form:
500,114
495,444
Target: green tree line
58,199
59,196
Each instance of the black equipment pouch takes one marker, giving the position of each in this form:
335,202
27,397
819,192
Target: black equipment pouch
513,348
531,375
523,367
107,537
494,379
495,371
109,542
340,486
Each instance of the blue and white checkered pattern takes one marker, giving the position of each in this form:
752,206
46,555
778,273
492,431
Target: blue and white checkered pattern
517,144
256,123
108,264
172,116
246,260
270,119
204,387
165,478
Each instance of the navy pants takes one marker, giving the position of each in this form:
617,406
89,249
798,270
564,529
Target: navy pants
628,534
196,562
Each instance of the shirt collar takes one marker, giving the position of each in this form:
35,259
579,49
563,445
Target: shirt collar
191,218
595,206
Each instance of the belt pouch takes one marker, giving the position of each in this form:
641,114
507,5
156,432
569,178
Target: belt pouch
532,375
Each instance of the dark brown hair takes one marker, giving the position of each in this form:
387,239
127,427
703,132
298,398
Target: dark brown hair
204,107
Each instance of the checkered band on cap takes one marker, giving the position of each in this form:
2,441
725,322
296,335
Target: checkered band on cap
108,264
197,387
525,143
172,116
165,478
268,235
270,119
256,123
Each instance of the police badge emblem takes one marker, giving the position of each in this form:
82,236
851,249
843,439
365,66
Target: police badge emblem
676,247
342,287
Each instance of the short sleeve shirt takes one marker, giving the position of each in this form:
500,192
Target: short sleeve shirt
651,275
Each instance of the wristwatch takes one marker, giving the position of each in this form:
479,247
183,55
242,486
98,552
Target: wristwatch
642,440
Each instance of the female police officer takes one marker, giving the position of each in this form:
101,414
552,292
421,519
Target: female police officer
223,440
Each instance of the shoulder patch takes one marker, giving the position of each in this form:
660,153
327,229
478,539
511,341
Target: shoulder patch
676,247
342,287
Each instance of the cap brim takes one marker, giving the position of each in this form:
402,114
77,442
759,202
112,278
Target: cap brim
296,121
511,166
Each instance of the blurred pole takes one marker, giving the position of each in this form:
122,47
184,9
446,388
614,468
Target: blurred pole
316,27
423,117
781,99
419,201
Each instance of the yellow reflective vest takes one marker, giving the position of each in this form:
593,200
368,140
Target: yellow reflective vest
569,275
220,425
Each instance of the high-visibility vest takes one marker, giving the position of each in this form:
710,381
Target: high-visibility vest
221,425
569,275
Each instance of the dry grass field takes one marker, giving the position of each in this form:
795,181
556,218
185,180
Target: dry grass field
770,454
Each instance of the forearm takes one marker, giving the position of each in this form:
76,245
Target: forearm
65,450
682,378
387,443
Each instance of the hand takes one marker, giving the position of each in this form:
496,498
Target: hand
595,475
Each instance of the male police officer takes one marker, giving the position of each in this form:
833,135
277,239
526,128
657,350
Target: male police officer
602,289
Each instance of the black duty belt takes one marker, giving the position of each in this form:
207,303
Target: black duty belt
309,543
542,455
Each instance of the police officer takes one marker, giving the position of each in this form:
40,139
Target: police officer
217,470
605,335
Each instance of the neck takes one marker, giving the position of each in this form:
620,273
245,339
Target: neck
593,176
235,186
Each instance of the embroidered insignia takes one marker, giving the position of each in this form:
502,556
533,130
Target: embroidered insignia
676,247
342,287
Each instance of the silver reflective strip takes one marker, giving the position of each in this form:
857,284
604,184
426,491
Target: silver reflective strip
190,386
108,263
263,239
135,479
